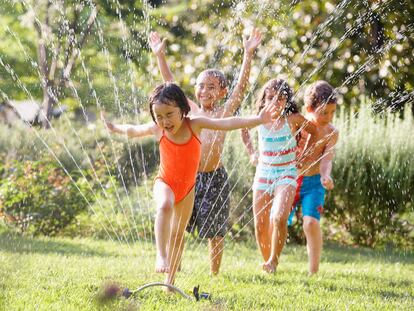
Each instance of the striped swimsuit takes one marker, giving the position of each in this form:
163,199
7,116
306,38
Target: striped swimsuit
277,159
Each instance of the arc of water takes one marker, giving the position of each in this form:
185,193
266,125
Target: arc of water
72,128
262,7
117,101
15,77
75,93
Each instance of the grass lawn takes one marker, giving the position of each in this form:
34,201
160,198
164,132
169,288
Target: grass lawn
66,274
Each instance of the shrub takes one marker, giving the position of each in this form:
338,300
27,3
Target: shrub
127,218
38,197
374,176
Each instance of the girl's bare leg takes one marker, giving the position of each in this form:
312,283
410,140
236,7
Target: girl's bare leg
180,218
282,204
262,202
164,199
313,235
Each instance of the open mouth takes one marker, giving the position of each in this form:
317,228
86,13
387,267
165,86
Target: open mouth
169,128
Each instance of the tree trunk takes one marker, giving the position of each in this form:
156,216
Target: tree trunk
49,100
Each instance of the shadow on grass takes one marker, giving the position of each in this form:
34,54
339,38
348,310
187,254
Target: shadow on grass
15,243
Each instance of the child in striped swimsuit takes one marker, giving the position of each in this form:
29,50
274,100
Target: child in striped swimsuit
275,180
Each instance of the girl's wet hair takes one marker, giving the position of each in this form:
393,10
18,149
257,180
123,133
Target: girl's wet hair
169,94
282,88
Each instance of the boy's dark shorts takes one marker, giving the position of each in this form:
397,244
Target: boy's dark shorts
211,204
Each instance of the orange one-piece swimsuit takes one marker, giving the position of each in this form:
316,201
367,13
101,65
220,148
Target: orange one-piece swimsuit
179,164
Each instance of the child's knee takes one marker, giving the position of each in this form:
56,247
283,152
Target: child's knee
165,207
310,224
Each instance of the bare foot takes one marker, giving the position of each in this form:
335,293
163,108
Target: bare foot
168,290
214,273
269,266
312,273
161,265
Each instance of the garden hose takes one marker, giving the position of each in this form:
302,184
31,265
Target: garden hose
127,293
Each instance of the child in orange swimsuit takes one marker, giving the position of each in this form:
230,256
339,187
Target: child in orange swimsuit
178,136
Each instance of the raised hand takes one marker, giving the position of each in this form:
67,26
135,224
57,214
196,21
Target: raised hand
327,182
157,46
253,41
269,113
107,124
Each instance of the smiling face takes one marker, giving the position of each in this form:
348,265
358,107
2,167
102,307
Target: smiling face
168,116
323,114
208,90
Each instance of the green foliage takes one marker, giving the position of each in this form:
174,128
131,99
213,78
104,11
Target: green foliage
361,47
113,169
38,198
137,160
374,176
356,45
241,174
127,218
62,178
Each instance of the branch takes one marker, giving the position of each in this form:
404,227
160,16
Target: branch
54,61
42,53
71,36
70,61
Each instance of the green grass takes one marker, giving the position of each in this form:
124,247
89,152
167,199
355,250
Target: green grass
66,274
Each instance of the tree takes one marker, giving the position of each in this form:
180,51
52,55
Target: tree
362,47
62,29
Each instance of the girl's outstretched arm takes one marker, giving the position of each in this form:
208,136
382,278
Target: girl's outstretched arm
266,115
131,130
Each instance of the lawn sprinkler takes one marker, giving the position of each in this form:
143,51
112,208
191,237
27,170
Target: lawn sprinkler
113,290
